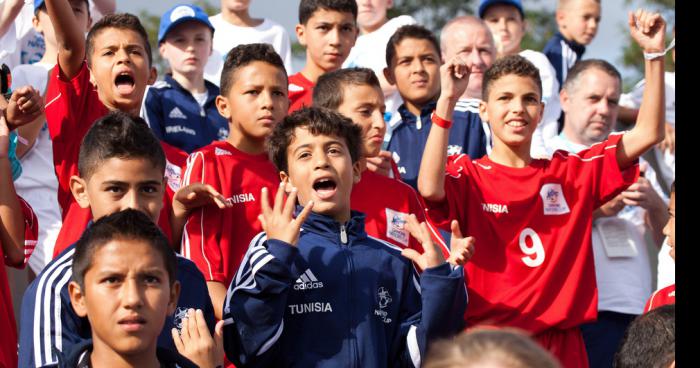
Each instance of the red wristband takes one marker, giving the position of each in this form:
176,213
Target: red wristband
442,123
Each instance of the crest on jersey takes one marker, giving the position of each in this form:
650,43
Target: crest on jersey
178,317
396,226
172,174
553,200
383,300
454,149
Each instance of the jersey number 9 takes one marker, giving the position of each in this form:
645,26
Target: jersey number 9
536,250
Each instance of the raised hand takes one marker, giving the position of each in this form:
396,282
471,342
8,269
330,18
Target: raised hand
380,164
454,78
195,343
25,105
432,255
610,208
461,248
278,222
648,29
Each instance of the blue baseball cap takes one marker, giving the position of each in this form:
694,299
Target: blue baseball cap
486,3
180,14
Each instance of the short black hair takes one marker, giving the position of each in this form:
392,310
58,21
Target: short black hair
319,121
118,21
307,8
129,224
243,55
510,65
574,74
121,135
650,340
409,31
330,86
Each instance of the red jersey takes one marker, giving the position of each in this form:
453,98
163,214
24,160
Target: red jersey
72,107
386,203
301,92
661,297
8,338
533,265
216,239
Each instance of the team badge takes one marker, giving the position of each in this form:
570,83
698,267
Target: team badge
172,174
454,149
178,317
383,300
396,226
553,200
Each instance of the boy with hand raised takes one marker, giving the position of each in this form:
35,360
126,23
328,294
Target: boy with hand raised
328,30
314,290
540,228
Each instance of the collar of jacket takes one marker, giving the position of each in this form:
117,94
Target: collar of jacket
328,227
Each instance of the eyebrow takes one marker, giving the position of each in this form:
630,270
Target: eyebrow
119,182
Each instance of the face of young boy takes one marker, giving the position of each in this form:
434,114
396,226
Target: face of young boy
472,42
513,110
187,48
371,14
507,27
43,25
127,296
321,169
119,68
364,105
579,20
256,101
235,5
670,228
415,70
591,106
118,184
328,36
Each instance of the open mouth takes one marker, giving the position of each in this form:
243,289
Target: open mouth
325,188
125,83
516,123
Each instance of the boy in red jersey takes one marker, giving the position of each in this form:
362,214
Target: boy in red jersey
387,202
328,30
253,99
118,55
536,272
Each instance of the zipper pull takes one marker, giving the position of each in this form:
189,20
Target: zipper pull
343,234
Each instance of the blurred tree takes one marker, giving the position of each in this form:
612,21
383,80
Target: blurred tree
541,26
632,55
151,22
433,14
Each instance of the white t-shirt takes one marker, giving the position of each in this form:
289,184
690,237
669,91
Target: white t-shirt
547,129
666,159
370,52
38,184
666,269
21,44
228,36
624,282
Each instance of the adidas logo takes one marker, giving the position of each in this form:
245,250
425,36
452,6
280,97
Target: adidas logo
307,281
176,114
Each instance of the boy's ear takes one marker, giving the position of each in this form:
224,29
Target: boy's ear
78,186
174,295
389,75
290,185
356,172
36,25
77,299
161,49
482,111
300,30
152,76
559,16
222,105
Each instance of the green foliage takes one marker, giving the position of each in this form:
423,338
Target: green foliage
433,14
541,26
151,22
632,55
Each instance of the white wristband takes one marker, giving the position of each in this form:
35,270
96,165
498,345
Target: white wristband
654,55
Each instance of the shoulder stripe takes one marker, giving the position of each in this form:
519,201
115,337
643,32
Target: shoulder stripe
43,352
52,101
268,344
386,243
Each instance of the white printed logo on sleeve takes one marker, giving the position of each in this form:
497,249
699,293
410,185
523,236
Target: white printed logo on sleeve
553,200
396,226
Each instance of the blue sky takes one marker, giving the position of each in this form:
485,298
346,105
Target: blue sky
607,44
